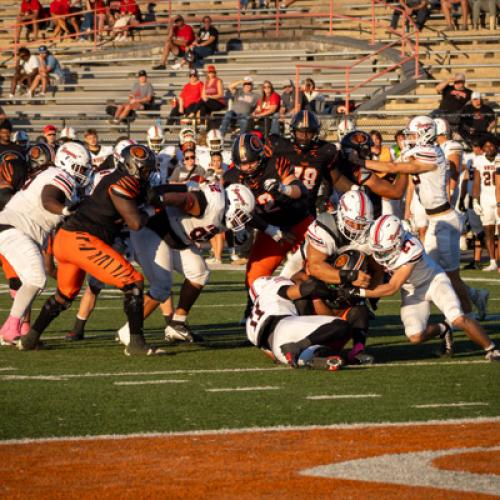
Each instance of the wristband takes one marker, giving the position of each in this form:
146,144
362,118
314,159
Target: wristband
286,189
347,277
362,292
66,211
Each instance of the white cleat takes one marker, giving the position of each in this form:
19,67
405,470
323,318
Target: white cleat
123,335
491,267
493,355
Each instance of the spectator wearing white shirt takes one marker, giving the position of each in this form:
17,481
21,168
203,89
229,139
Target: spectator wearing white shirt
48,67
25,71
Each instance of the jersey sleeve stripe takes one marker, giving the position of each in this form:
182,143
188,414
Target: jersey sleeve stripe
62,186
65,181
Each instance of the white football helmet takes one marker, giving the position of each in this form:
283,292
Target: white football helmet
386,239
74,159
119,147
187,135
240,203
355,215
345,126
214,140
420,131
68,134
442,127
155,138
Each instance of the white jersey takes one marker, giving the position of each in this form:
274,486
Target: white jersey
203,157
98,158
200,229
167,161
485,169
451,148
25,210
425,268
430,187
267,303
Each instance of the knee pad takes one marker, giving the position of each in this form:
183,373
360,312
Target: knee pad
359,317
95,285
133,299
200,278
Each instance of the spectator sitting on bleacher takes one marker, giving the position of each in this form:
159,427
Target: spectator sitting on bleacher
287,109
30,10
314,101
180,36
48,67
455,95
417,8
141,97
486,6
446,6
189,169
128,17
206,42
267,110
189,101
476,119
244,103
99,14
25,71
212,95
59,10
49,134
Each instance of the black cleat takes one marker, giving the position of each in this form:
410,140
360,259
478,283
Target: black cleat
138,347
72,336
30,342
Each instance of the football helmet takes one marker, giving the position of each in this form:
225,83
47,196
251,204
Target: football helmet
442,127
240,203
214,140
359,141
355,215
119,147
22,139
155,138
345,126
68,134
74,159
420,131
386,238
39,156
138,161
305,121
187,135
248,150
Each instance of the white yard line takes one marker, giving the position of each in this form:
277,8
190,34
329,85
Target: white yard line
7,369
244,389
451,405
150,382
343,396
251,430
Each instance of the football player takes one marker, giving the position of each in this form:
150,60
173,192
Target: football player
421,282
14,171
98,153
483,195
83,245
275,326
169,157
30,216
214,146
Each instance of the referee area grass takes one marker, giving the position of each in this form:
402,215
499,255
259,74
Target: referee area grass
91,388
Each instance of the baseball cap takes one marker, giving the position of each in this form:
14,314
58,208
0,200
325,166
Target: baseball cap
193,72
287,83
459,77
49,128
42,49
211,69
142,72
248,79
476,95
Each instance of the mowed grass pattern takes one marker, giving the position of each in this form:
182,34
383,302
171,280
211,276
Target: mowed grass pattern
90,387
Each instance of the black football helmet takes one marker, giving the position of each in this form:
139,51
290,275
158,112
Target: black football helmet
39,156
138,161
359,141
248,149
305,121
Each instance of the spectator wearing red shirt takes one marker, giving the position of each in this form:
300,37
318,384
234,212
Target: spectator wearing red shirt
267,111
190,98
59,9
88,19
30,10
128,16
213,93
179,38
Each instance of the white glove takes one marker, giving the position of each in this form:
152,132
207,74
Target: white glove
275,233
477,207
271,185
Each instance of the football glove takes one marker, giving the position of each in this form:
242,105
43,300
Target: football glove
316,288
477,207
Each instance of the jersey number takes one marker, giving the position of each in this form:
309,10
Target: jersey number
408,246
489,178
203,233
257,313
307,175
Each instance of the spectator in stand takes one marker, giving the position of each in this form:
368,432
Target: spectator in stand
190,98
486,6
447,5
379,150
419,9
266,114
287,109
398,146
48,67
128,17
141,97
476,119
244,104
180,37
60,10
207,40
87,28
314,101
188,170
50,135
30,10
455,95
25,71
212,96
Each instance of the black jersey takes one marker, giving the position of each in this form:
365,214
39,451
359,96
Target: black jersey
13,176
97,214
280,210
312,166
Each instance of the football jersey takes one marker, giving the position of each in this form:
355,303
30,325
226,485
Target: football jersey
430,187
13,175
485,169
98,157
450,148
25,210
311,166
200,229
267,304
412,251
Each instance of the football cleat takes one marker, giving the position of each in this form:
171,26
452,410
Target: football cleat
358,356
291,351
137,347
492,266
330,363
72,336
493,355
30,342
10,331
446,348
181,332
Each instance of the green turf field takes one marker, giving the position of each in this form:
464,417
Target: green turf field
91,387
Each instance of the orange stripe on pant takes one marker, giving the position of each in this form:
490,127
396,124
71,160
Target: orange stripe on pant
266,254
8,270
78,253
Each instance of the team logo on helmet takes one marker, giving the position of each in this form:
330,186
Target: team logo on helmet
138,152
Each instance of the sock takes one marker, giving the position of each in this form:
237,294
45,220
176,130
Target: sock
179,318
167,318
79,327
493,261
23,299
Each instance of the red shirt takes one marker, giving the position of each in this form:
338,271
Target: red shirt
191,93
264,104
59,7
185,32
29,6
129,7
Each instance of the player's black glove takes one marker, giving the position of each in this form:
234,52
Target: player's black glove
316,288
348,294
153,198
